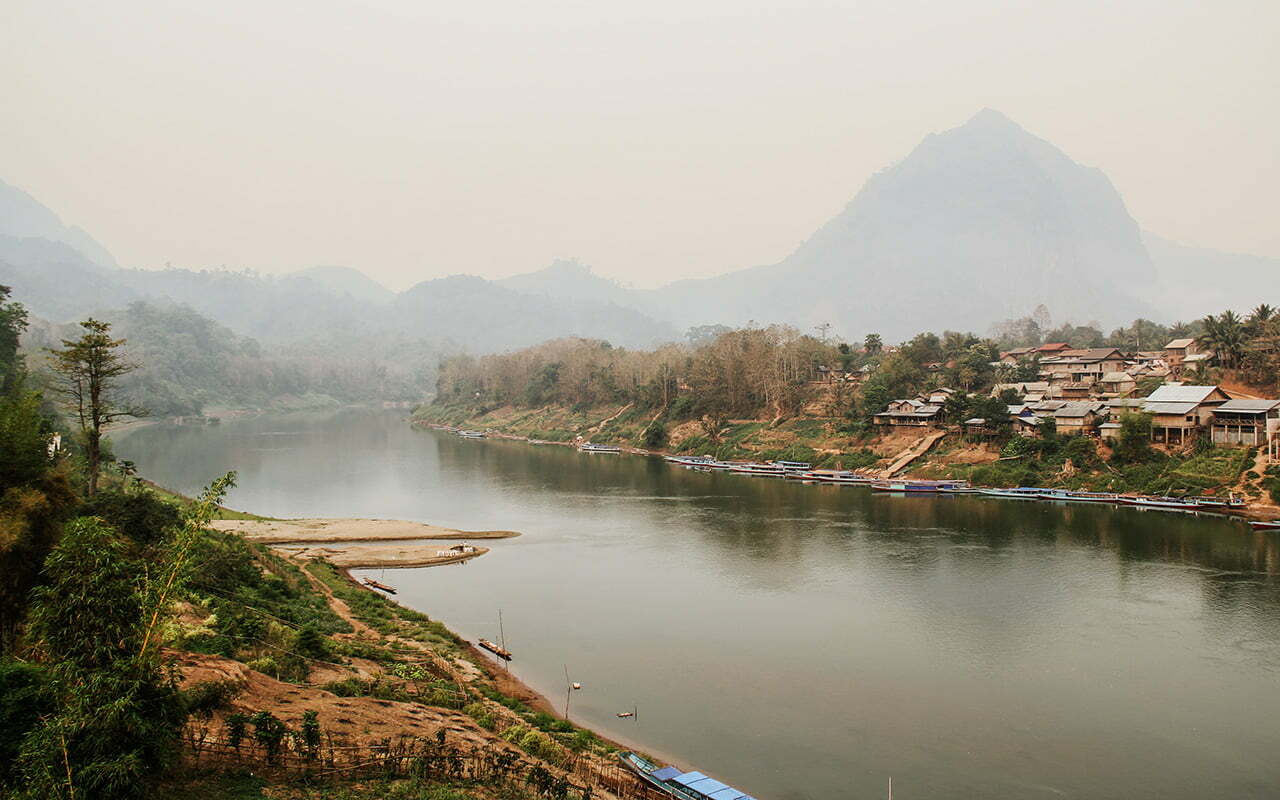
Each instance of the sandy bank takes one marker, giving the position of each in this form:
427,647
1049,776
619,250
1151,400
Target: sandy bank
373,555
345,530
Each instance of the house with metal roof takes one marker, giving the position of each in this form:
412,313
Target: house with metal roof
1078,419
1179,412
1247,423
912,412
1177,352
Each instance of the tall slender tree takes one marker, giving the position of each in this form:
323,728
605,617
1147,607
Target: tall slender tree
89,369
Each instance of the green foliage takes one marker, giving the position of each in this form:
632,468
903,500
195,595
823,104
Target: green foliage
13,322
310,643
137,512
269,733
24,440
117,717
309,733
655,435
25,697
1133,443
204,698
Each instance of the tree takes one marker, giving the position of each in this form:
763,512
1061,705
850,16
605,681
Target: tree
13,321
873,344
118,712
1133,443
1225,335
89,369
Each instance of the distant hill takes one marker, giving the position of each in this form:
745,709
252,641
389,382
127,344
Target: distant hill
570,281
24,217
480,315
978,223
1195,281
349,281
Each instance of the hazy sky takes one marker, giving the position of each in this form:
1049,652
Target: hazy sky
653,140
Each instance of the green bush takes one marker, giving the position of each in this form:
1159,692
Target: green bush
25,697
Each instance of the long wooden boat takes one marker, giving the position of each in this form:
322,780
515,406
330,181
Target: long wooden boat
916,487
588,447
1264,525
1219,503
1162,503
690,461
841,476
1020,493
773,469
498,650
681,785
1079,497
380,586
471,434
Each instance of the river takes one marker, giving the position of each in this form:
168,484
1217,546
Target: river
812,641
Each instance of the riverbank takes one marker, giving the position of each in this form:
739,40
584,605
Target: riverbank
1073,463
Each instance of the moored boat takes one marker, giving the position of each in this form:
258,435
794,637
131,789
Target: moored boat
1162,503
497,649
1264,525
914,486
1218,503
588,447
1078,497
1019,493
471,434
682,785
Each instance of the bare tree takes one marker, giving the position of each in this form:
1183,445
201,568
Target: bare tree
89,369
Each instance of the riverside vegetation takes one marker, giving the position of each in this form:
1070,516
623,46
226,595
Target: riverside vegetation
143,654
765,393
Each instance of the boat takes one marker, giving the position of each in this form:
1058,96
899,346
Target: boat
843,476
755,468
471,434
958,489
588,447
1263,525
1020,493
672,782
499,651
917,487
380,586
1079,497
1218,503
690,461
1162,503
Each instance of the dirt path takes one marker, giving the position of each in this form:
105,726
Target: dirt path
912,453
596,428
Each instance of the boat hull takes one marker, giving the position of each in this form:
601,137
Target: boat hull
1265,526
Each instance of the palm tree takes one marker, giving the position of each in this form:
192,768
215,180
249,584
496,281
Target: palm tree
1225,335
1259,317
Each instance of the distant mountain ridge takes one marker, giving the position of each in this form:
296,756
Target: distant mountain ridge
976,224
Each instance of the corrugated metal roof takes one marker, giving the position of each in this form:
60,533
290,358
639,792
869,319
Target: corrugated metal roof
1169,393
1248,406
1178,344
1073,410
666,773
1116,377
1169,408
688,778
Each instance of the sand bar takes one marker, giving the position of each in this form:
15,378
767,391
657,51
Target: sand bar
373,555
345,530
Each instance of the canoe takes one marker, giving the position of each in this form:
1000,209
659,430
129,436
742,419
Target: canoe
588,447
497,650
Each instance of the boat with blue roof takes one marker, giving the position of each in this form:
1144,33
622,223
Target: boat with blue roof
677,783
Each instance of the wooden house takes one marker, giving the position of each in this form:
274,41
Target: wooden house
1180,412
1247,423
1177,351
910,413
1078,419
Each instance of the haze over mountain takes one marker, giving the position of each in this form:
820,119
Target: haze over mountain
976,224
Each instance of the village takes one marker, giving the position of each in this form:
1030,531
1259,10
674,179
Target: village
1085,392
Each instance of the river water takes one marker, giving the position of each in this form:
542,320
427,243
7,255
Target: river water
811,641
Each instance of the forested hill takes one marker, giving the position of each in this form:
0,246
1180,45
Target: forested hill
188,363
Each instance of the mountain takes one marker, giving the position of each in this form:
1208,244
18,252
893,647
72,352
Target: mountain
348,281
482,316
978,223
572,281
24,217
1221,280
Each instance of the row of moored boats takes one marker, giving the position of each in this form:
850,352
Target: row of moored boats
795,470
